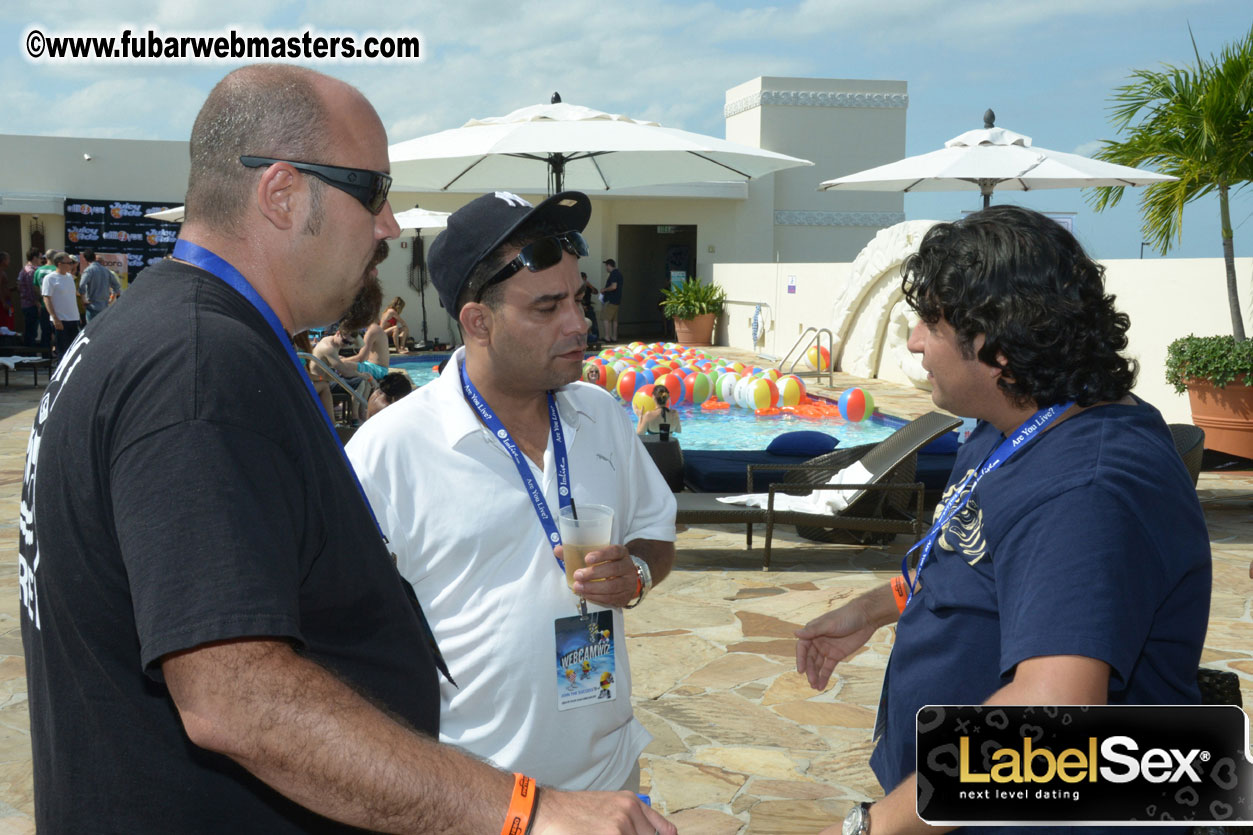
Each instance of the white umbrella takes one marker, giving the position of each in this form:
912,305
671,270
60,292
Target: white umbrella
175,214
414,218
993,158
564,146
419,219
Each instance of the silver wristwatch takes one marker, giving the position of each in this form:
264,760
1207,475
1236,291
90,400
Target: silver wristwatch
646,580
857,821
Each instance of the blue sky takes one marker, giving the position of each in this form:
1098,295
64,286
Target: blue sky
1047,67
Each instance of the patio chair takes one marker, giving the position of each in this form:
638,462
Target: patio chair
891,503
1190,444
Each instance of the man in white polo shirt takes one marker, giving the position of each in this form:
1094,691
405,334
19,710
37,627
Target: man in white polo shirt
61,298
449,484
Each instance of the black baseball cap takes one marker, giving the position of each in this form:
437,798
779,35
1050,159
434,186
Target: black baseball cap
479,227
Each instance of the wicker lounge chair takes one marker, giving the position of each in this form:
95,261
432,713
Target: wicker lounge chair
1190,444
892,503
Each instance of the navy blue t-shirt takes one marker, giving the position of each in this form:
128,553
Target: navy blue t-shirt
1089,541
614,296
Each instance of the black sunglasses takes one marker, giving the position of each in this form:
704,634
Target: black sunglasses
539,255
370,187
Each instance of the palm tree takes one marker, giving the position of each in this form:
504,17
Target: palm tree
1193,123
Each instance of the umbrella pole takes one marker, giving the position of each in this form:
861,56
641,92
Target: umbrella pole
556,174
417,269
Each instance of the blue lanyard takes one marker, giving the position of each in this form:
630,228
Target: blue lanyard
533,490
219,267
1028,432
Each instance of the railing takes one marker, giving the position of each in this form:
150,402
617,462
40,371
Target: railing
807,341
334,377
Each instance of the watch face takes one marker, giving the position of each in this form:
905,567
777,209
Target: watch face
852,821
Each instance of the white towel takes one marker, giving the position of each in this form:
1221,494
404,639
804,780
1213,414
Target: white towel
828,502
12,362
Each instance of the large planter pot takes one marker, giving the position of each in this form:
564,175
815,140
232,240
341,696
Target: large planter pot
1225,414
698,331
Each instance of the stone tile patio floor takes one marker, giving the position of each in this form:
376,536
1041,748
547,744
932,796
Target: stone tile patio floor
741,745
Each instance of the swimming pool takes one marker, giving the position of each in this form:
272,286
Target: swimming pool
723,429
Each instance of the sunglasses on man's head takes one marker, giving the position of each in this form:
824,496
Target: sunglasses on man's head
539,255
370,187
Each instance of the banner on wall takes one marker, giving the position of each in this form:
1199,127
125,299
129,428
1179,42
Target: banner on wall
119,228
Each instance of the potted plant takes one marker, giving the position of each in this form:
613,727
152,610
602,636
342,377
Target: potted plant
1196,123
694,306
1217,373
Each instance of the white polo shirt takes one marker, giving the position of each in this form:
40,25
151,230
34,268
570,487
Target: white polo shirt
467,537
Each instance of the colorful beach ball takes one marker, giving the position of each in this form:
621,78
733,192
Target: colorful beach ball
819,358
610,377
632,380
699,388
643,400
856,405
791,390
761,393
674,384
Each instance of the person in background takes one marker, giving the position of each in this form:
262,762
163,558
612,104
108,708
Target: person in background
611,298
8,311
659,421
61,299
99,287
590,292
391,388
395,327
29,298
45,321
374,347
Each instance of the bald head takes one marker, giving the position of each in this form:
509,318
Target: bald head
271,110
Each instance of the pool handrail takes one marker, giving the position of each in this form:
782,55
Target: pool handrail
816,340
334,377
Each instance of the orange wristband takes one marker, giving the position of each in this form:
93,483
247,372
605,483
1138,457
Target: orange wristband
521,805
900,591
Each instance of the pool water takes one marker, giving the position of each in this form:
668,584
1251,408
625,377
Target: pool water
731,428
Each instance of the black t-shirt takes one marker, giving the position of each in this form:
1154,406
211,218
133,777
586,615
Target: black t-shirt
183,487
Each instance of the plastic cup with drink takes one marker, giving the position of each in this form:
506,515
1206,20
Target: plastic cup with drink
584,529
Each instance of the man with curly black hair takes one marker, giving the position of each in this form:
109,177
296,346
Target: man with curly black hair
1069,561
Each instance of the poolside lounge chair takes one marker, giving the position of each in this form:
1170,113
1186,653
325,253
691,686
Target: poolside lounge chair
891,503
21,357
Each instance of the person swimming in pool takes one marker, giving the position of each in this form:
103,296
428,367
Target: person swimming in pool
662,420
